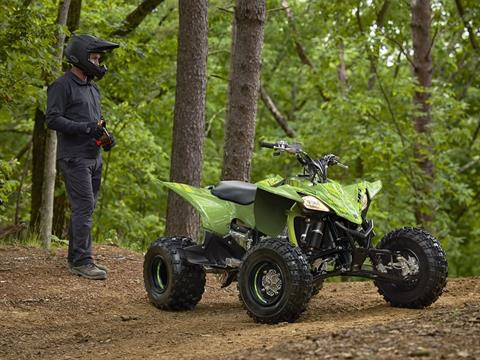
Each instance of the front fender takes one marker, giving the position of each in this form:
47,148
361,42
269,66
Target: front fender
272,206
373,188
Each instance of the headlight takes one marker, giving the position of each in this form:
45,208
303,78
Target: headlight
364,201
312,203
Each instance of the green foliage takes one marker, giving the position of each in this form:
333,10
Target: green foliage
370,128
7,185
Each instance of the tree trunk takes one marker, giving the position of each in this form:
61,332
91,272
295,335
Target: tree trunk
74,11
60,208
342,69
46,215
189,118
49,173
38,161
244,86
422,63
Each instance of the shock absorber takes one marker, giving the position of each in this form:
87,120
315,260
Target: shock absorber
314,236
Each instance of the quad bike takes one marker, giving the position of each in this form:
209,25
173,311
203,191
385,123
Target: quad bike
280,238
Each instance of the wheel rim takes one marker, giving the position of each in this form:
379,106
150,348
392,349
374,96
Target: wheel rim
411,280
266,283
159,273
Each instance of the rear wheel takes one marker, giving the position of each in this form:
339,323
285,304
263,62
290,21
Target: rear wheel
275,282
172,283
422,263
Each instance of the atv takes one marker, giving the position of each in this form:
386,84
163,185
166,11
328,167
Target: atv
281,237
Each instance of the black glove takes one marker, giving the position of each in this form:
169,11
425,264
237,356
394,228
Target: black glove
94,130
110,145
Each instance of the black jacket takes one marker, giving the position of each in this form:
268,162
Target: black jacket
71,104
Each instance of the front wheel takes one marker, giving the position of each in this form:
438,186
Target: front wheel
421,263
172,283
275,282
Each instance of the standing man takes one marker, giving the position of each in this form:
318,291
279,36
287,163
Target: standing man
73,110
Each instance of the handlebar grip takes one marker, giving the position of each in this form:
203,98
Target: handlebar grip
267,145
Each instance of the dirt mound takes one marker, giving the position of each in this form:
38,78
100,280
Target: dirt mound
47,313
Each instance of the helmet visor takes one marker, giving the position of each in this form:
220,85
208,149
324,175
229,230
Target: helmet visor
101,46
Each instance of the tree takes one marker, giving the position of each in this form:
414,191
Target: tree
51,144
244,84
189,117
422,68
38,164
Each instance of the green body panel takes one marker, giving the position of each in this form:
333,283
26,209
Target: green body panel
373,188
357,190
270,181
271,208
292,214
343,200
276,207
285,191
216,214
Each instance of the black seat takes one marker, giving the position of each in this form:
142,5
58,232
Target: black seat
239,192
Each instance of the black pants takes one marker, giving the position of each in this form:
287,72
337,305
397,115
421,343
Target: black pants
82,181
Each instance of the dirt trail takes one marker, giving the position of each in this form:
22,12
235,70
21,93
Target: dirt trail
46,313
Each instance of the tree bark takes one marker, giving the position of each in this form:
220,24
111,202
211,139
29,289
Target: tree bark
189,114
244,84
46,214
422,67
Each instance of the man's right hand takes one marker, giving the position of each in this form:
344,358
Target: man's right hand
94,130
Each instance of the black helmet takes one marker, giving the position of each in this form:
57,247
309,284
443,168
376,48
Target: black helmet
78,51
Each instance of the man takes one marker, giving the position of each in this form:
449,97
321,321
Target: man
73,110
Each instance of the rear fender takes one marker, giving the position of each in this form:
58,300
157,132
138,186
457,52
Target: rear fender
216,214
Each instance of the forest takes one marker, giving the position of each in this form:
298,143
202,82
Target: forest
391,87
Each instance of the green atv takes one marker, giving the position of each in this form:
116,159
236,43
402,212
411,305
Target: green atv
280,238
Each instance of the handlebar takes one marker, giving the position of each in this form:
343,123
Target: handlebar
312,168
267,145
